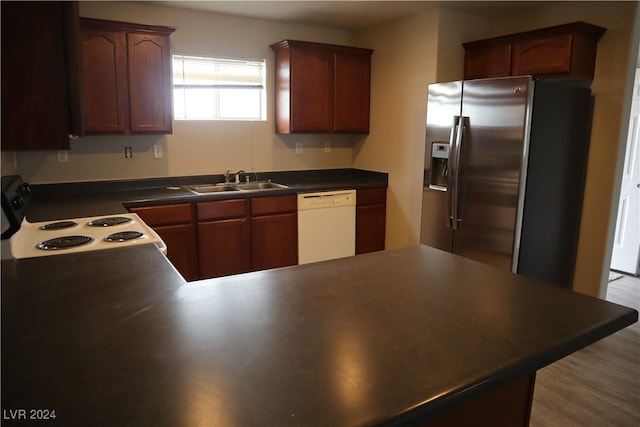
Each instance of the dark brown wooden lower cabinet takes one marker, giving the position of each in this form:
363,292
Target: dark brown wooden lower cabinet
274,231
181,248
174,223
224,247
507,406
371,214
224,237
274,241
218,238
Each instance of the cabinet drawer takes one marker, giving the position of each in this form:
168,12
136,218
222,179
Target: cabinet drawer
371,196
222,209
164,215
273,204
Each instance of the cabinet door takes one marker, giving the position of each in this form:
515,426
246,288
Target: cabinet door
224,247
274,241
104,70
311,90
181,248
352,77
370,228
150,108
487,61
175,225
371,212
35,113
544,55
561,50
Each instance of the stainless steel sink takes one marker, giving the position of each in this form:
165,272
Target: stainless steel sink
259,185
247,186
210,188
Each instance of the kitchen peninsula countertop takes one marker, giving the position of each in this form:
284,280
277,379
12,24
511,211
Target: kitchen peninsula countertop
51,202
117,338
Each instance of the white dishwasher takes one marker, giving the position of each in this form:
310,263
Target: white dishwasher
326,225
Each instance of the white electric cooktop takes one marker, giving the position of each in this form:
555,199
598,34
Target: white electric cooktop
36,239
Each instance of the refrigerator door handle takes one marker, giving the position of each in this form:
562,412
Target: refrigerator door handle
457,136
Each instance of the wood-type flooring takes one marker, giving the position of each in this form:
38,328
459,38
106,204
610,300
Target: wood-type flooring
598,386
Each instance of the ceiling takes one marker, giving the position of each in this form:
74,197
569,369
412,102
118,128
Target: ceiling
348,14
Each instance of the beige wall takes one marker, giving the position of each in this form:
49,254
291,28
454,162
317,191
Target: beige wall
203,147
403,64
409,54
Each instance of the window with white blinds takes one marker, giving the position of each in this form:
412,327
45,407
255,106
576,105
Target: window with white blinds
218,88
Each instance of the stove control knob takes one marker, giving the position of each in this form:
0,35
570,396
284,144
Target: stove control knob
17,202
24,189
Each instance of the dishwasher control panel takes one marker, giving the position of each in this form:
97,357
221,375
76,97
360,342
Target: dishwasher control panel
326,199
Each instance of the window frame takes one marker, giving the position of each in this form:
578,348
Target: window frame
253,77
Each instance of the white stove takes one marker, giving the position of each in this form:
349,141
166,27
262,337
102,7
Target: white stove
36,239
23,239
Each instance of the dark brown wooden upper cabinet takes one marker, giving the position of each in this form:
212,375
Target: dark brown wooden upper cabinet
352,79
311,91
488,61
321,88
567,50
126,70
37,90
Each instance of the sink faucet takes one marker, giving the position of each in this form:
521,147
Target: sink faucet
227,175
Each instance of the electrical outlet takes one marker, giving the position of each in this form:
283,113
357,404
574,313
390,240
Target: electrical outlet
327,147
298,147
157,151
63,156
127,153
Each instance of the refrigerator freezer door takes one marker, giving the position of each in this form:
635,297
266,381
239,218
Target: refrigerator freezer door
443,105
492,155
434,231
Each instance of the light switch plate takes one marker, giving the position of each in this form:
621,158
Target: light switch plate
157,151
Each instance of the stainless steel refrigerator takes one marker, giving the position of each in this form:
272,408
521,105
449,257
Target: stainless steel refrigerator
505,166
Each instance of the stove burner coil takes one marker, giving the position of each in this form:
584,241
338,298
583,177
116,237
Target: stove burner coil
60,225
65,242
123,236
109,221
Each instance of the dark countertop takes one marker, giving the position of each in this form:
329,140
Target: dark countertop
74,200
117,338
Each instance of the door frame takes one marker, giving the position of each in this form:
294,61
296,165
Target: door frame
622,149
621,256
